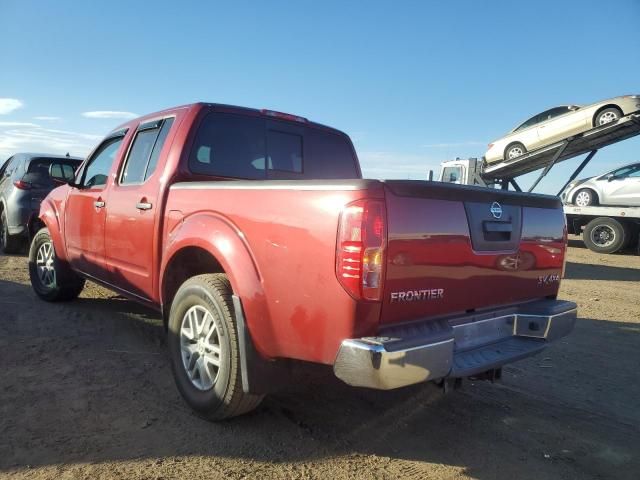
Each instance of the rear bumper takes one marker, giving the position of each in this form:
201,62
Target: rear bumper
453,347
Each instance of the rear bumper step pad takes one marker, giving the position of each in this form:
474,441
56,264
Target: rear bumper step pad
455,347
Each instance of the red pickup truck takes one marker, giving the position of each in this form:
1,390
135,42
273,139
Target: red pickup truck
254,234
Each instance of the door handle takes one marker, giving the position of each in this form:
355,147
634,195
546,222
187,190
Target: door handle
143,206
98,204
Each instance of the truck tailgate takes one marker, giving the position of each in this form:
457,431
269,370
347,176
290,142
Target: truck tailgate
454,248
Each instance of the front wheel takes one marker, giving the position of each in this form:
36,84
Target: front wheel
204,349
585,197
605,235
51,279
514,150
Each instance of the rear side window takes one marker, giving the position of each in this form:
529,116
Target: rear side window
329,156
529,123
145,150
248,147
228,145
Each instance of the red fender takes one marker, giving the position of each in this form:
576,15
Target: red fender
50,217
226,243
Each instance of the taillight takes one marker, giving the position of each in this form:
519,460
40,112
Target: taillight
22,185
490,146
360,248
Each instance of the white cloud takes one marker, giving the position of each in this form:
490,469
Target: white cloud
110,114
17,124
29,137
452,145
47,118
8,105
392,165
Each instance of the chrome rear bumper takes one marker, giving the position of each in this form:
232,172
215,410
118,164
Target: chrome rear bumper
454,347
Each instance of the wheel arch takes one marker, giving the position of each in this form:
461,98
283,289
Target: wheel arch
509,145
579,188
604,107
49,218
209,243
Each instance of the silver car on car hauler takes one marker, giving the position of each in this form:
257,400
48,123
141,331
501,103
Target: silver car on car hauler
619,187
557,124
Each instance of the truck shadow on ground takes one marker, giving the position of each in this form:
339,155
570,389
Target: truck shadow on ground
89,381
587,271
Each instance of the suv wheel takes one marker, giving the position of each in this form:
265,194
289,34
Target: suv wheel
8,243
204,350
51,279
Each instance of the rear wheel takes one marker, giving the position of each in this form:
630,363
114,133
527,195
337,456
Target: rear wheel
8,243
608,115
606,235
51,279
204,349
585,197
514,150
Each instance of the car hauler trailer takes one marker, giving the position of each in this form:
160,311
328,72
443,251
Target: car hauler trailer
606,229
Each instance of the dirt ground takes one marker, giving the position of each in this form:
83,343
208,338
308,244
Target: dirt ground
86,392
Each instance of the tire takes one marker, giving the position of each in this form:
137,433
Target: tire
203,331
608,115
605,235
8,243
585,197
51,279
514,150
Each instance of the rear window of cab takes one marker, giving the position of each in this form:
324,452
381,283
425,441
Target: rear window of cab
251,147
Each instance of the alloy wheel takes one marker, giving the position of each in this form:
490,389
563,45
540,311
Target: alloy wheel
583,199
515,152
608,117
45,265
200,347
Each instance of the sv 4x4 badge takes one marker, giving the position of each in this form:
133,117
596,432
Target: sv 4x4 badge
545,280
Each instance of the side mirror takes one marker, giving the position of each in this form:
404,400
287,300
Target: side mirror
62,172
573,108
610,177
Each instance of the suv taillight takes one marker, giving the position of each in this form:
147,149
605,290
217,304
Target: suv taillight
22,185
360,250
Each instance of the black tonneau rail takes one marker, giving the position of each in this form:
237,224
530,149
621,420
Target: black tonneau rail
467,193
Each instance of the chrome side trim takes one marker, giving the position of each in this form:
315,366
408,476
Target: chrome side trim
338,185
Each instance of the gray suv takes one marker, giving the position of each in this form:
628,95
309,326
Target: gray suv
25,179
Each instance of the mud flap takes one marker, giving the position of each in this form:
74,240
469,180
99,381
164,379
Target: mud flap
259,375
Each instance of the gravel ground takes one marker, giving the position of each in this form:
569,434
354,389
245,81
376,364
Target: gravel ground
86,392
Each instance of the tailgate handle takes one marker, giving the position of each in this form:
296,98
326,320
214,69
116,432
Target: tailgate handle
502,227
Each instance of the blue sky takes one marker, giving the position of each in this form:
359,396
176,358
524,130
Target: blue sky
413,83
